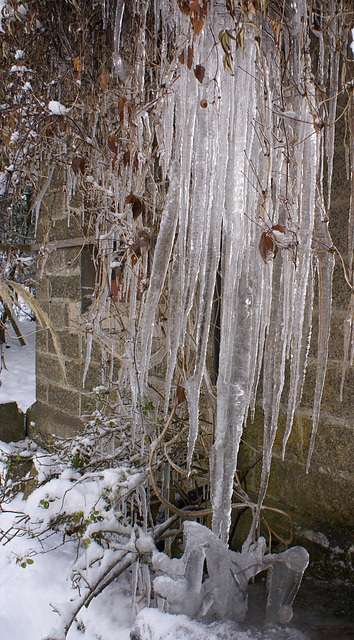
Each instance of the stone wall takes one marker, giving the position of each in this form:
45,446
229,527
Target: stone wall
320,501
62,290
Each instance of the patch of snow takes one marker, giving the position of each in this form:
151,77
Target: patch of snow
57,108
317,537
18,382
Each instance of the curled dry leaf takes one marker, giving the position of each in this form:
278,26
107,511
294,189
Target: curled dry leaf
180,394
138,206
198,24
104,81
189,57
121,104
78,164
199,72
182,57
77,64
113,143
267,248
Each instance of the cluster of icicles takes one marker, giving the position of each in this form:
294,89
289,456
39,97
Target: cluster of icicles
239,151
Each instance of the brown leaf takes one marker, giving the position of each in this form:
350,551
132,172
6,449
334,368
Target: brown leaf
113,143
199,72
138,208
130,199
189,57
78,164
142,240
121,104
183,6
203,103
182,57
138,205
77,64
194,5
267,248
198,24
126,157
180,394
104,80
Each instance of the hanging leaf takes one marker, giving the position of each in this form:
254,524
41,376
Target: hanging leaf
189,57
78,164
142,240
224,40
184,6
121,104
126,157
267,248
138,206
180,394
77,64
113,143
182,57
227,63
197,24
130,199
199,72
104,80
194,6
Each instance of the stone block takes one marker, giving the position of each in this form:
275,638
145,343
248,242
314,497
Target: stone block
48,368
12,425
42,390
66,287
66,400
70,344
42,290
58,311
331,403
45,422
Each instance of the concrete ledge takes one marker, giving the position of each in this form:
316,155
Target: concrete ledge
44,423
12,422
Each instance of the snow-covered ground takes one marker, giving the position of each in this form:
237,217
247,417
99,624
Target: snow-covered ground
18,381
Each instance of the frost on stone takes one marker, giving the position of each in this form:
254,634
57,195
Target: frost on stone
210,582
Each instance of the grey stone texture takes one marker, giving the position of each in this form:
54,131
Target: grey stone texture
12,425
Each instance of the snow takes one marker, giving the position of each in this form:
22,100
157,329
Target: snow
18,382
56,108
30,596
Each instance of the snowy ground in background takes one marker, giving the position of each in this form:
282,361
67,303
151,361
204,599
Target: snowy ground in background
18,382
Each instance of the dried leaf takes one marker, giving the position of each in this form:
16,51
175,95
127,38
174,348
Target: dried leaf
224,40
194,5
113,143
126,157
189,57
197,24
267,248
130,199
121,104
203,103
138,208
138,205
184,6
78,164
180,394
104,80
182,57
77,64
227,63
199,72
142,240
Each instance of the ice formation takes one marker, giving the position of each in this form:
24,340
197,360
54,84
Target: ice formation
223,594
241,148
